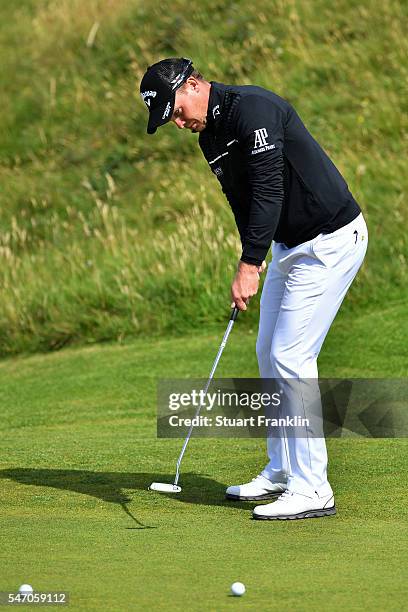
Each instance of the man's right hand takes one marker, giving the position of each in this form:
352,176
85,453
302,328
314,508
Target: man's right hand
245,269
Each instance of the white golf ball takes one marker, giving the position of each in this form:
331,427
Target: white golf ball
237,589
25,588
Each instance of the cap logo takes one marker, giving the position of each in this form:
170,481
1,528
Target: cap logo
166,110
176,82
146,95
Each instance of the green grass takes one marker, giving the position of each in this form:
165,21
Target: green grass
101,228
79,450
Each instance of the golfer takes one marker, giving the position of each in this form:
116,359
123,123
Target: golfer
283,190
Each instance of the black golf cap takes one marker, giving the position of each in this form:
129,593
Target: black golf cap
158,88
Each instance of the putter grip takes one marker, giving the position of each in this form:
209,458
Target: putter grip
234,314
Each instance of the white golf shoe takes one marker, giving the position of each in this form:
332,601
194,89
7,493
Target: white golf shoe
296,506
259,488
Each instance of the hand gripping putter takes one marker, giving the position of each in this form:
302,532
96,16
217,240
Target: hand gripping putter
175,488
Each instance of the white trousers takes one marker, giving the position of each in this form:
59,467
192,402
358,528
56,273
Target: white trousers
303,290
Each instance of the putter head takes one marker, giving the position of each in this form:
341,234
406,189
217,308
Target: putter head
164,487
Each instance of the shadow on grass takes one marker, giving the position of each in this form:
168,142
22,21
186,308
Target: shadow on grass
111,486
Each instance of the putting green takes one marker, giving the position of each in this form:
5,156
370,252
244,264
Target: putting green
79,450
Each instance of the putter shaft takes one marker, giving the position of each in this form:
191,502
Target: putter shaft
231,322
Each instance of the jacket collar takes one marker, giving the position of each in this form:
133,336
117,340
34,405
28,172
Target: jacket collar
215,105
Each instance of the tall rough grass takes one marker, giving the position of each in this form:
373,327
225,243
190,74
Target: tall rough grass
110,281
106,232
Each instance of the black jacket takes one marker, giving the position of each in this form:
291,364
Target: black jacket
280,183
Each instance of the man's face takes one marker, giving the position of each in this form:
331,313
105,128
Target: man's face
190,107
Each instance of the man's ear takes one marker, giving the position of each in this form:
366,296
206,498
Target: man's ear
193,83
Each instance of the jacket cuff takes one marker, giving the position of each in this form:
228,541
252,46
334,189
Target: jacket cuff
253,255
251,260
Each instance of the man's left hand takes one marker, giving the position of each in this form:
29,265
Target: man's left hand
245,285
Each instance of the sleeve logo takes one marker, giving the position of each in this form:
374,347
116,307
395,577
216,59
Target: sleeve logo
260,138
261,142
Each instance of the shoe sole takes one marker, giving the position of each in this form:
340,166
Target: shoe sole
253,498
300,515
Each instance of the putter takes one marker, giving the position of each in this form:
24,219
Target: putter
175,487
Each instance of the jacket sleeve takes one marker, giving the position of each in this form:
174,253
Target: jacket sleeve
240,216
259,126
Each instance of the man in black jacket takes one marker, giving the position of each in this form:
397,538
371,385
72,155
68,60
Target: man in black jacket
282,187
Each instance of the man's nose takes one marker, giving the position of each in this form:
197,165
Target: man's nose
179,122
